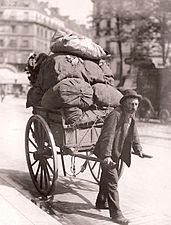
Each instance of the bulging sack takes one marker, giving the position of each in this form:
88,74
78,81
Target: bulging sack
75,92
106,95
75,115
76,45
68,66
72,115
94,73
70,92
57,67
108,74
97,115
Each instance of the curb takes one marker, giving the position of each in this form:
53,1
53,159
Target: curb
17,209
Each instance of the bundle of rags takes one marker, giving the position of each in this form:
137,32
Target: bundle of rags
76,79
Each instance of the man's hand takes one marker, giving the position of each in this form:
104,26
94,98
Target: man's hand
141,154
109,163
144,155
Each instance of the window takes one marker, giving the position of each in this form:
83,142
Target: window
26,3
2,3
1,43
26,15
26,29
13,43
13,3
25,44
38,31
12,15
108,27
98,29
13,29
2,29
108,46
46,34
1,57
41,32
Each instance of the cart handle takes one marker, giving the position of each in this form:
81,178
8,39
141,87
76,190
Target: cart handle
144,155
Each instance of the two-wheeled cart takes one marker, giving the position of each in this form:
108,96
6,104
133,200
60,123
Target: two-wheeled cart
48,137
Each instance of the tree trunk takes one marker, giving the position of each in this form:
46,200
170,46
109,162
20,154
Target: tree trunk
119,43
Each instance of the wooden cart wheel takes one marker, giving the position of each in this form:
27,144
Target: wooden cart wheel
164,116
95,169
41,155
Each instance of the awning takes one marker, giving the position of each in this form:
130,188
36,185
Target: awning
9,77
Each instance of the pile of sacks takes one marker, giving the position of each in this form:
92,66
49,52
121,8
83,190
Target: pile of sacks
75,78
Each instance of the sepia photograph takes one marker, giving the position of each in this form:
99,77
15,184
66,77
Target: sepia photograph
85,112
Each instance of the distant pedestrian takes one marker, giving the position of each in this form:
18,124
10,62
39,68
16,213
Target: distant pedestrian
2,92
118,136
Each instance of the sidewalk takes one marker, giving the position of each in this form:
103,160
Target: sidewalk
15,209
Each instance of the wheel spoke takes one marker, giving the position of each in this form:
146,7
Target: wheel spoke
42,134
33,133
34,162
45,179
47,171
49,166
30,152
94,165
41,177
99,171
37,172
37,134
47,176
97,134
33,143
41,140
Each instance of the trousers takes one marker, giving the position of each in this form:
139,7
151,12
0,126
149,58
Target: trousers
108,190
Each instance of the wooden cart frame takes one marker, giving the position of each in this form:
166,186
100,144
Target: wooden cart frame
47,136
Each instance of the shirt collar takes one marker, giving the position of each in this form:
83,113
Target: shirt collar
128,117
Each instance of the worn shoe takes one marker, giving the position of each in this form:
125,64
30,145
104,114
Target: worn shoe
102,205
120,220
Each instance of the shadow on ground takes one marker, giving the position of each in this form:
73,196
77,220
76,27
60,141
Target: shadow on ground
74,187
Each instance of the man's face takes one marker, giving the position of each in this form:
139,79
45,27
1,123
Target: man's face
131,105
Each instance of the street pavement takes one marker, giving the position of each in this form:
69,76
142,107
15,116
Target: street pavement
15,209
144,188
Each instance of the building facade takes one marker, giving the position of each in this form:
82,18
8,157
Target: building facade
27,26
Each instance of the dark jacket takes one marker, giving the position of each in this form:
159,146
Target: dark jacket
113,142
